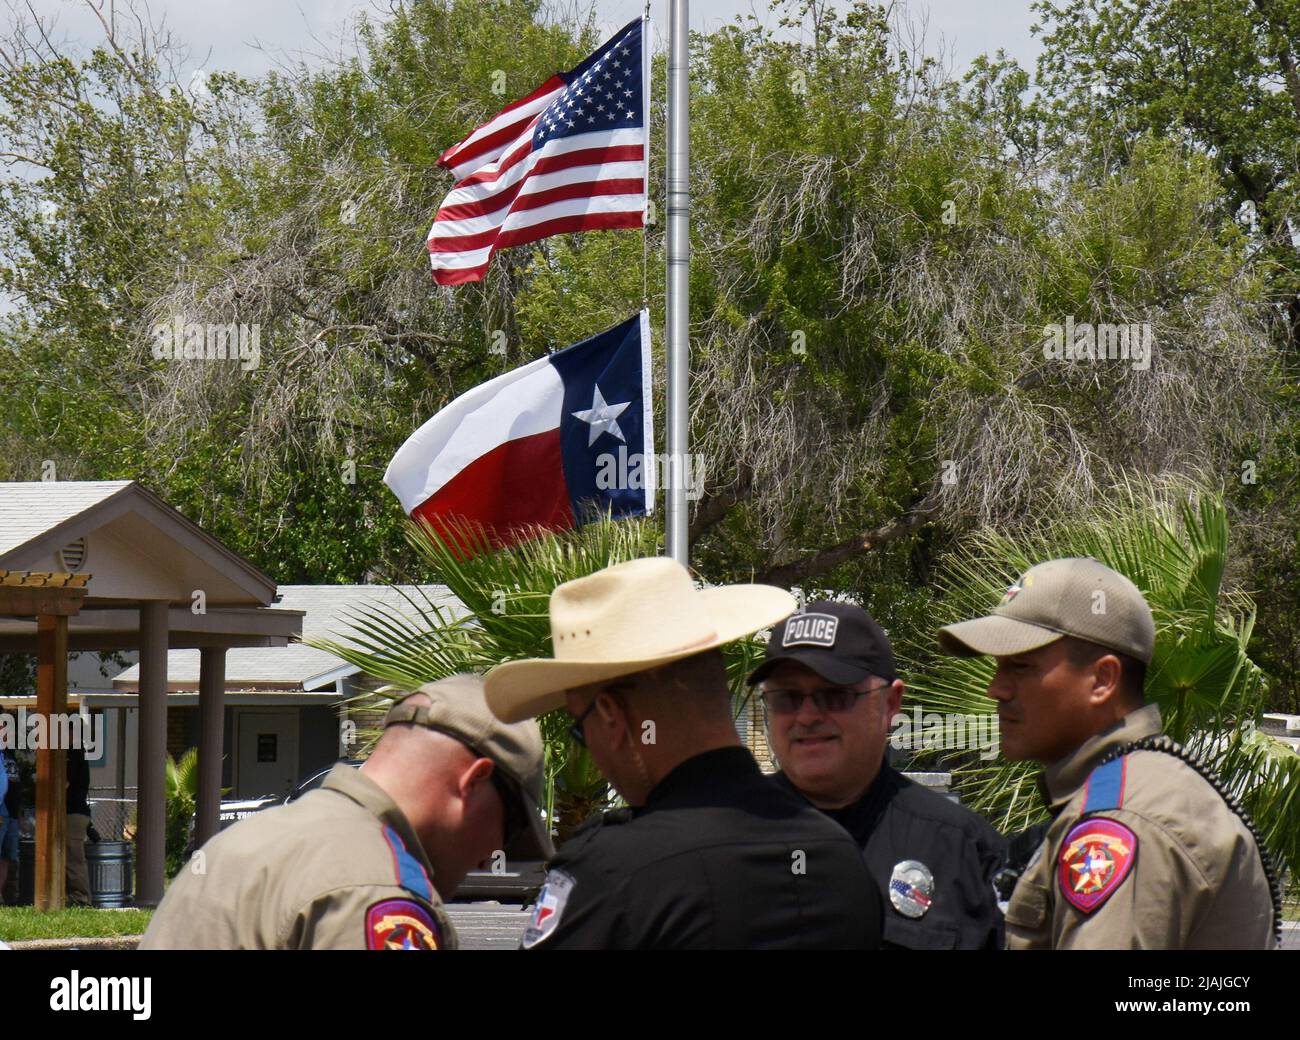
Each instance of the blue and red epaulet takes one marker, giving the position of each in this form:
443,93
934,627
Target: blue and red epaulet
1105,786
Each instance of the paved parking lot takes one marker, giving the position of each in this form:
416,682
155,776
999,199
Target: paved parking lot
489,926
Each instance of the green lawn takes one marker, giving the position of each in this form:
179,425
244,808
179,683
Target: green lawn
19,923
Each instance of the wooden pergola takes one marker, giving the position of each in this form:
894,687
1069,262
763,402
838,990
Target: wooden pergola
52,598
152,581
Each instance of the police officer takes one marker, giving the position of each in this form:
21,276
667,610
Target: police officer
1143,851
710,854
364,861
831,690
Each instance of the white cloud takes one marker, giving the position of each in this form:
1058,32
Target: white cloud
199,83
253,36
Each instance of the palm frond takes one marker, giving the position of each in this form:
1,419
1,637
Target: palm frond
505,595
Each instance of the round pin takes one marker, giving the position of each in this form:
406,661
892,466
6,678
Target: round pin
911,888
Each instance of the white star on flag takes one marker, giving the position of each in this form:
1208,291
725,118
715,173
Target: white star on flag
601,417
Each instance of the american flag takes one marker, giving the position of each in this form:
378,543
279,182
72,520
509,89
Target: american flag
571,156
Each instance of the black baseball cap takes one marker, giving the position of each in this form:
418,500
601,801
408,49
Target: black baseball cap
841,642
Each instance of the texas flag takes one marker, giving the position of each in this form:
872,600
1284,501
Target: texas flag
561,439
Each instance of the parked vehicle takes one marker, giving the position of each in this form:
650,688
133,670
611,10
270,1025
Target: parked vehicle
233,809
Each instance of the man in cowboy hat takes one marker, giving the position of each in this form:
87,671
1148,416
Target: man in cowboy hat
365,860
830,692
1142,851
710,854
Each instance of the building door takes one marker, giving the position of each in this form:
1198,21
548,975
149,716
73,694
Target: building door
268,753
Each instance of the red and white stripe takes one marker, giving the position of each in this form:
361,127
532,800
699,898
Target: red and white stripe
496,135
505,414
593,181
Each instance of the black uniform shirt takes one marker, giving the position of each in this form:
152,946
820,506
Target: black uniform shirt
719,857
78,782
899,820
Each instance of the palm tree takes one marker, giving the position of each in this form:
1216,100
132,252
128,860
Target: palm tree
505,595
1171,539
182,793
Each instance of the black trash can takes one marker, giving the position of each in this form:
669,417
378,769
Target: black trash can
110,863
112,881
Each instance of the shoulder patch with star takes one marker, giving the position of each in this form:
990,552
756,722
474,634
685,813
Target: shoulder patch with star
401,924
1095,858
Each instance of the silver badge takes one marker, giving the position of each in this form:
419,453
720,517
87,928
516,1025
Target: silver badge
911,888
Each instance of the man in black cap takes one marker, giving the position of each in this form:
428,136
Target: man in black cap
831,691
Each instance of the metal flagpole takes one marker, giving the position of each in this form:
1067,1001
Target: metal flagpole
677,324
647,67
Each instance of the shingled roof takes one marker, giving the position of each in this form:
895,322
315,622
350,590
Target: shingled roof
327,613
30,509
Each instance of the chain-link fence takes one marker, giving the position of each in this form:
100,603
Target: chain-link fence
113,816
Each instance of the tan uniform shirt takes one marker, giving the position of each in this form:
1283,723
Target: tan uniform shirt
1171,867
338,869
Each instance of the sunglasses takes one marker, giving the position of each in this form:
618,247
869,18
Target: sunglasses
615,690
576,731
829,699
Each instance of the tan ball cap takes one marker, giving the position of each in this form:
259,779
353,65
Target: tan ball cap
1077,597
457,707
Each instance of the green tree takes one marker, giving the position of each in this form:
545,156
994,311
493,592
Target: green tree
877,251
874,273
1222,74
296,204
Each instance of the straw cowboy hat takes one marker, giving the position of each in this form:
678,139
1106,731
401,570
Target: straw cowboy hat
625,619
